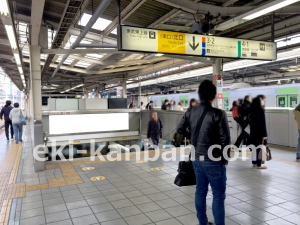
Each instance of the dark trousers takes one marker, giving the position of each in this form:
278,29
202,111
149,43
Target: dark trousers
7,124
244,135
155,141
257,161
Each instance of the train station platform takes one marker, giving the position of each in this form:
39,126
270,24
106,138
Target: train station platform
139,192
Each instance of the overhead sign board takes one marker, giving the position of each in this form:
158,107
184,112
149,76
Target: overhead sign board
160,41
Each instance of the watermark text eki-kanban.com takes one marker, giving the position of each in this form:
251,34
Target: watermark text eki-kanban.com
42,153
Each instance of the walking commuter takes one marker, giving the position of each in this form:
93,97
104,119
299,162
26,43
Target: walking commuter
164,106
193,103
243,121
214,131
14,115
234,104
258,129
154,130
142,106
297,118
179,107
7,121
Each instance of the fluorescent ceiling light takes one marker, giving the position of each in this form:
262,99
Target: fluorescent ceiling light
267,81
274,6
23,77
100,24
4,8
20,69
159,54
11,36
17,58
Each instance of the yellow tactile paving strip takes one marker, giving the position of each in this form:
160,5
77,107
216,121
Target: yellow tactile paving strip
8,175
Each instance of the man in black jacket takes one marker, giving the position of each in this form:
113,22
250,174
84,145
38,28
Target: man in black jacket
5,111
209,166
154,130
244,111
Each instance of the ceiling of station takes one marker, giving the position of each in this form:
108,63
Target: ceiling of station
110,69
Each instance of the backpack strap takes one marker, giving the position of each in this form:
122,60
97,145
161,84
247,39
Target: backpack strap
198,127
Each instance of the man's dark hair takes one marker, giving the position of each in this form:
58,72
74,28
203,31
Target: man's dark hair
207,91
8,102
151,101
166,100
246,98
16,105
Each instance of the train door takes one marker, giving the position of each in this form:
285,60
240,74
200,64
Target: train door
185,101
287,101
282,101
292,101
226,103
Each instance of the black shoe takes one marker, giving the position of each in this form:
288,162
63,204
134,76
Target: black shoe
7,139
211,223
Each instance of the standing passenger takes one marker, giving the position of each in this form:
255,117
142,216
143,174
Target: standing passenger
131,106
7,122
193,103
164,106
171,105
154,130
297,118
178,107
14,115
258,129
142,106
208,170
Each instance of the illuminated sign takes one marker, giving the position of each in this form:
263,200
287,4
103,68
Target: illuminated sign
160,41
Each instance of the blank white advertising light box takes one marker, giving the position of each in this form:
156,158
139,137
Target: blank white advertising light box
82,123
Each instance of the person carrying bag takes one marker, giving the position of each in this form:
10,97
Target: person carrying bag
186,174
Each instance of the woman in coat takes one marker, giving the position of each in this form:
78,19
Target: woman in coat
258,129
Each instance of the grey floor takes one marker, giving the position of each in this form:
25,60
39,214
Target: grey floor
133,194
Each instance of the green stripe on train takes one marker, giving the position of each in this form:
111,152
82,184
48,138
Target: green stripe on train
281,91
184,97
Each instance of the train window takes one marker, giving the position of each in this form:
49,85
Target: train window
281,101
292,101
225,103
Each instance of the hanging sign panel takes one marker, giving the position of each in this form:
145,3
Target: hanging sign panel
160,41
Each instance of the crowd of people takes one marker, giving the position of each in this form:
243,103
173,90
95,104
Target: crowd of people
12,121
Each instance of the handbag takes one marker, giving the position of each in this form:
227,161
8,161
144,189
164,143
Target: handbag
186,174
22,119
267,153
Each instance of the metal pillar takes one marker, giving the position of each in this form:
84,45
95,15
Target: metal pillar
272,28
124,90
35,75
218,82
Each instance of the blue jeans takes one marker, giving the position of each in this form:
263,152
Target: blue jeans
18,127
298,146
213,173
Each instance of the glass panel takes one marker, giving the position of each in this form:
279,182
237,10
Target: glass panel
281,101
293,101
